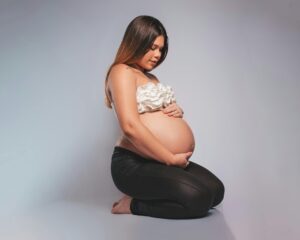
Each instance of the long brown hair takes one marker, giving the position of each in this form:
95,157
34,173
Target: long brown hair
137,40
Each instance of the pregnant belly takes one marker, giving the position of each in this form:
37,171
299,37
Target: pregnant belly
174,133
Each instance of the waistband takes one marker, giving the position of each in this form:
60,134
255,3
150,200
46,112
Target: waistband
126,151
119,151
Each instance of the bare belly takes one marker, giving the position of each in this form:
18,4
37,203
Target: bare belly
174,133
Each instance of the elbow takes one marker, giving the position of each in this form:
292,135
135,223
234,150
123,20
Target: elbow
129,128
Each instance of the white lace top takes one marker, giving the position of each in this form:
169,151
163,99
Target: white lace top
152,97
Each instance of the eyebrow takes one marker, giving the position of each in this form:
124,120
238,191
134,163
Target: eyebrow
157,45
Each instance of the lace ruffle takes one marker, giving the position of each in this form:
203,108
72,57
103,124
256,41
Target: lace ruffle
152,97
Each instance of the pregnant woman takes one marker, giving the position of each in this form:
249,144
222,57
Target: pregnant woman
150,162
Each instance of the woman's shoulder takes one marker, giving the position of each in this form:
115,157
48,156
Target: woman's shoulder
121,70
121,67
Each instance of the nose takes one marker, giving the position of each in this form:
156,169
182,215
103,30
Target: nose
157,54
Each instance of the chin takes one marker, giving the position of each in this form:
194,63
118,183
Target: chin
150,68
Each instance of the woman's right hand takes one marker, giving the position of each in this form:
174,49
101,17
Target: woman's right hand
181,159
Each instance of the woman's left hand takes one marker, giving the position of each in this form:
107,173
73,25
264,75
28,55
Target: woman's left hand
173,110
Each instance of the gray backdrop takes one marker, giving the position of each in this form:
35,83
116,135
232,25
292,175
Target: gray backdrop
234,66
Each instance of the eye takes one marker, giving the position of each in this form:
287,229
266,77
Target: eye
153,48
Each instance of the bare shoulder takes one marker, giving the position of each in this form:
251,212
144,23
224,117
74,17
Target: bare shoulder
120,69
121,73
121,82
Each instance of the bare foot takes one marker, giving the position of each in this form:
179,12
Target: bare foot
122,206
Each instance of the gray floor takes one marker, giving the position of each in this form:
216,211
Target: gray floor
245,219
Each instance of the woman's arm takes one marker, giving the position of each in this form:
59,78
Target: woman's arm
122,85
147,143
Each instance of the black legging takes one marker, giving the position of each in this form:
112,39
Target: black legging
165,191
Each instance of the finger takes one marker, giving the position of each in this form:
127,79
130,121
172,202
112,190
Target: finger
166,110
169,109
173,110
171,106
172,114
175,113
178,115
189,154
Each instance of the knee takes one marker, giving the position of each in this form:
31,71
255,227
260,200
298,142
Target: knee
199,201
219,191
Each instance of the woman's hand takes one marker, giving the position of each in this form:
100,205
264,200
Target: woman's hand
173,110
181,159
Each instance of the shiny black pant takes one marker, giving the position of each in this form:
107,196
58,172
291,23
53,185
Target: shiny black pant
165,191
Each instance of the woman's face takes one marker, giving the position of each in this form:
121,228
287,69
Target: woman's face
150,59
